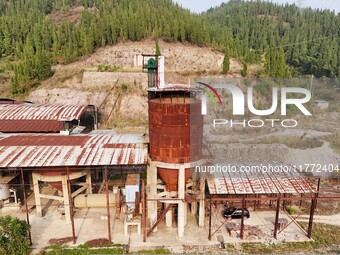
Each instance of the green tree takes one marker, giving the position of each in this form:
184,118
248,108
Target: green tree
244,71
43,66
14,236
226,61
158,50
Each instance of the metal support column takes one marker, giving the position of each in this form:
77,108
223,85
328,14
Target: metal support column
242,218
284,202
318,190
311,216
210,213
108,205
277,216
26,206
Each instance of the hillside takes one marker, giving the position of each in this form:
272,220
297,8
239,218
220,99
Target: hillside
310,39
287,40
121,94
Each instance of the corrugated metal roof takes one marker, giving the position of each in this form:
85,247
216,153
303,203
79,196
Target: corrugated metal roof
37,118
27,126
78,150
13,101
259,182
41,112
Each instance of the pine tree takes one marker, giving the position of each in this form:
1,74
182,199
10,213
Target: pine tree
226,61
244,71
158,50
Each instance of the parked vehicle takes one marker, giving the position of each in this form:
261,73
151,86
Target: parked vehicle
235,213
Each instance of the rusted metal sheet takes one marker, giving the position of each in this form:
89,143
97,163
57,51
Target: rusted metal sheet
13,101
16,126
171,128
174,121
37,118
170,177
259,182
77,150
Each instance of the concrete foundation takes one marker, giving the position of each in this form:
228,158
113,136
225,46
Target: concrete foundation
177,197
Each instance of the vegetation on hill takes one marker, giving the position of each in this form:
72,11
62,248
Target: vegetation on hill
309,39
286,39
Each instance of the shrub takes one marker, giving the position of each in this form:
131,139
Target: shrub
14,236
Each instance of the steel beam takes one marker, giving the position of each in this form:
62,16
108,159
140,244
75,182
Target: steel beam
26,206
242,217
107,204
277,217
311,216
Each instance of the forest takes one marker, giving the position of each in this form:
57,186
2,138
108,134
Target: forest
288,40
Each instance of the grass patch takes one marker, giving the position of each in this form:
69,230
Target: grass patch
291,210
107,68
156,251
113,68
84,251
56,247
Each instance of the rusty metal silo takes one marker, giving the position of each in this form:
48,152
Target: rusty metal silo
175,133
176,127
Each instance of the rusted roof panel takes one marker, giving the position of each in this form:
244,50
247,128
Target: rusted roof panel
13,101
259,182
77,150
26,126
37,118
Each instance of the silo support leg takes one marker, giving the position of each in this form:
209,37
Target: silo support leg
180,221
89,183
185,213
66,198
181,205
148,187
201,213
193,208
152,206
168,216
37,194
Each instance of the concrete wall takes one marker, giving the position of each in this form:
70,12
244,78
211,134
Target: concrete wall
91,79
